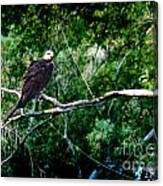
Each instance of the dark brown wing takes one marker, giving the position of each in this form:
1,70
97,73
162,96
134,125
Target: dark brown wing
35,80
32,69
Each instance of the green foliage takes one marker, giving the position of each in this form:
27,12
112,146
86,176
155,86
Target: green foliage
101,135
113,46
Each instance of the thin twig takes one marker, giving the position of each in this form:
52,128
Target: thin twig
52,100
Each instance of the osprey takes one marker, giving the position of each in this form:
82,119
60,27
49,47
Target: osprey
35,80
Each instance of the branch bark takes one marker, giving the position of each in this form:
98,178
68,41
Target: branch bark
12,91
66,107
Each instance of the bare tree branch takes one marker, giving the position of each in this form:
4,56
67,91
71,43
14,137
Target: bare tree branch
12,91
62,108
11,119
54,101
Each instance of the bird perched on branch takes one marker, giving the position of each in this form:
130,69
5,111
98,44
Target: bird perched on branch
35,80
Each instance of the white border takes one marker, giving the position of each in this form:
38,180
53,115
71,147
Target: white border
65,182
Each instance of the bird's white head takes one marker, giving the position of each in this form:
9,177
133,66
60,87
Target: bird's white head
48,56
